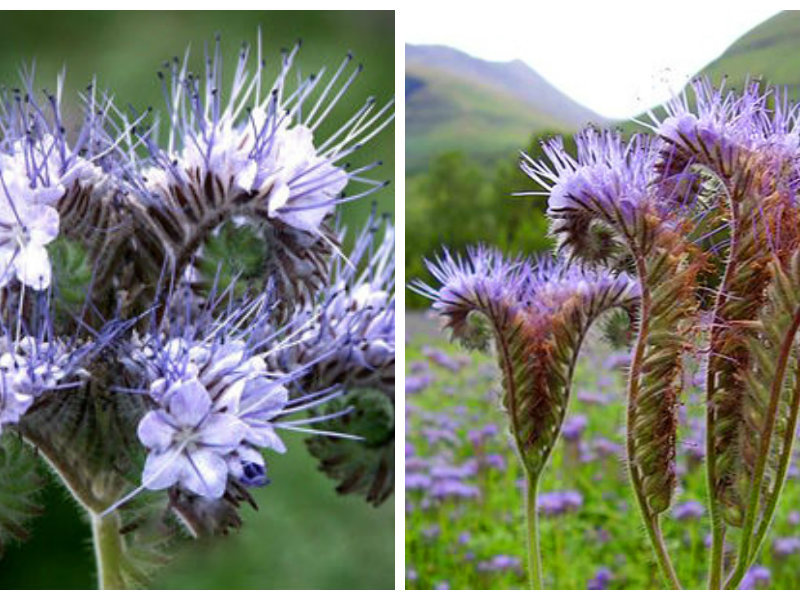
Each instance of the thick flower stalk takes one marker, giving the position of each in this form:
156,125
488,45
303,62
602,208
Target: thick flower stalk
536,315
138,358
610,205
748,143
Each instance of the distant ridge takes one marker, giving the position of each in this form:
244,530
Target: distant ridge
457,102
770,51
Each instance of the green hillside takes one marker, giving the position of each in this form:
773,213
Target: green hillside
455,113
770,50
456,102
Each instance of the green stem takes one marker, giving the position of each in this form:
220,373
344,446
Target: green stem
745,557
534,554
108,551
650,520
783,468
717,523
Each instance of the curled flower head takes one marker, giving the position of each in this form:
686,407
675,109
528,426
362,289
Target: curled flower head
533,291
537,313
351,339
754,131
604,197
350,342
49,184
258,156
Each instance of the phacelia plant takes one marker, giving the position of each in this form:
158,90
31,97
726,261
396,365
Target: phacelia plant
692,230
176,296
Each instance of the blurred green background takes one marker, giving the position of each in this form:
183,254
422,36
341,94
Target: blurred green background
304,535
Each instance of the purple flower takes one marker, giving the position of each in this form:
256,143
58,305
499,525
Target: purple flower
601,579
463,471
188,441
756,577
449,488
574,427
443,585
417,481
270,152
688,511
500,562
442,359
783,547
609,177
495,461
558,503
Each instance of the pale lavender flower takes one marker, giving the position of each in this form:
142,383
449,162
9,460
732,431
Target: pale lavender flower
263,143
601,579
574,427
560,502
757,577
688,511
783,547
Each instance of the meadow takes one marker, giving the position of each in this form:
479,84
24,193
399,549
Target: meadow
465,527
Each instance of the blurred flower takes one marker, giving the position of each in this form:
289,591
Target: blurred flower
558,503
757,577
783,547
574,427
601,579
688,511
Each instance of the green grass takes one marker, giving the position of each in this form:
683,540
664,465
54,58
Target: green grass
604,532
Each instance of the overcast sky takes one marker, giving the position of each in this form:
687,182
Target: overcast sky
618,60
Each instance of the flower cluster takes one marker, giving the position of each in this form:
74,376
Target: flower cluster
121,361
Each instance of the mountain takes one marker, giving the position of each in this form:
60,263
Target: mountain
770,50
457,102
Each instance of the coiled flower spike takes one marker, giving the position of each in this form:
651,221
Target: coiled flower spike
253,156
352,344
537,314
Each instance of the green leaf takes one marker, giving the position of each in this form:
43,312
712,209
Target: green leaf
20,482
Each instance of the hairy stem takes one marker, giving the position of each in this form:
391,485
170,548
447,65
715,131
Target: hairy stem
745,557
534,554
717,523
108,550
650,520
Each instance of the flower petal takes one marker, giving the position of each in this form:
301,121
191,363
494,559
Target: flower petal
223,431
162,469
206,474
33,267
188,402
154,431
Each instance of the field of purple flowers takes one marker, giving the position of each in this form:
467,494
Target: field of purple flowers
465,527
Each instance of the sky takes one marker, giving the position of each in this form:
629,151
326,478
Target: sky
618,60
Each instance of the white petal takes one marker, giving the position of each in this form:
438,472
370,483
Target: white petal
42,223
277,198
264,436
229,399
223,431
188,402
206,474
33,267
48,195
247,176
154,432
162,469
